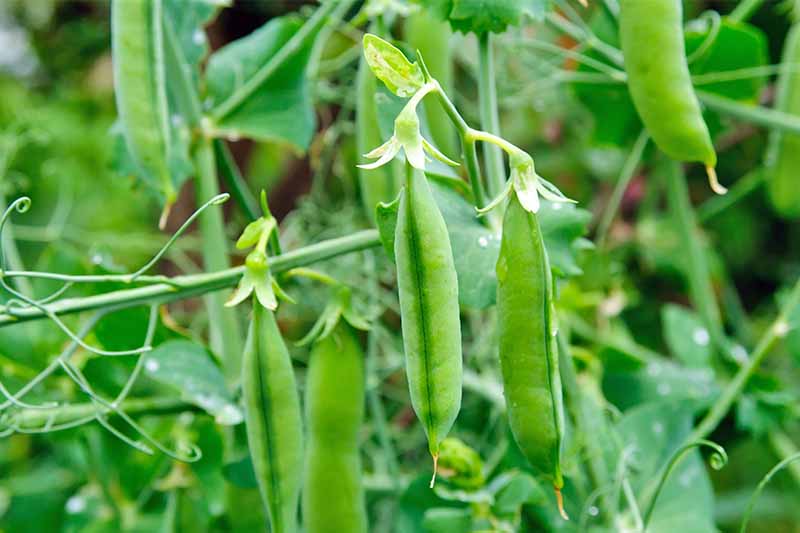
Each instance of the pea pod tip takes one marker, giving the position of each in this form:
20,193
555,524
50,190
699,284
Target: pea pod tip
560,503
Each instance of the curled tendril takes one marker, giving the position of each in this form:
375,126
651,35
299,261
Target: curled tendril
763,483
717,460
716,25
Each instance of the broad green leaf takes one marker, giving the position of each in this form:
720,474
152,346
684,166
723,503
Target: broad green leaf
651,433
737,46
447,520
481,16
687,338
187,367
415,501
391,66
659,381
241,473
280,108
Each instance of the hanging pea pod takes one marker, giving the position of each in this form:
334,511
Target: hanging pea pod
783,158
333,495
137,44
428,287
651,34
527,343
273,418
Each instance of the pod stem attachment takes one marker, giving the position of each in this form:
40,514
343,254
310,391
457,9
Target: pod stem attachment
560,503
435,468
713,181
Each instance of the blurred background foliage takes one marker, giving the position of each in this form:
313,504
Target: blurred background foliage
56,112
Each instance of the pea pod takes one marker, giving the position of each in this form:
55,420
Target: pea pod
528,351
783,158
428,287
651,34
272,414
140,87
333,497
380,184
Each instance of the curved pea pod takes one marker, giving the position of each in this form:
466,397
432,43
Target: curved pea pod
527,342
651,34
783,157
140,87
382,183
428,287
272,414
333,496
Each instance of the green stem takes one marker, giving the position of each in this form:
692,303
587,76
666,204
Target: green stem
591,40
636,353
292,46
490,120
225,335
777,330
31,419
784,448
701,288
745,10
762,116
628,171
236,182
182,287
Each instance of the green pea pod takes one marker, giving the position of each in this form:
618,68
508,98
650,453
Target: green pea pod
382,183
333,497
426,279
651,32
783,158
431,37
140,87
528,351
272,414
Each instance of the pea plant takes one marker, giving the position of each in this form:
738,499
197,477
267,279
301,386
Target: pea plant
468,324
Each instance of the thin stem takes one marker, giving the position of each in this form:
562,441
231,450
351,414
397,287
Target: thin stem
745,10
627,174
784,448
701,288
490,119
224,328
777,330
762,116
182,287
589,39
236,182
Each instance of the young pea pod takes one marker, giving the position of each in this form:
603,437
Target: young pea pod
140,87
272,414
426,279
333,497
528,352
783,158
651,34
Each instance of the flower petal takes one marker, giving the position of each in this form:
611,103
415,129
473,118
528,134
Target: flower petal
431,149
244,290
265,294
382,149
497,200
387,156
416,155
527,195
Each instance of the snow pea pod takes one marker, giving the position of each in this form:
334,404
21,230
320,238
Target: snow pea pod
140,87
651,34
272,415
333,496
428,287
783,158
527,342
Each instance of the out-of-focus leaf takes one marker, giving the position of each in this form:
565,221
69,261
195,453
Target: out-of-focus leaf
417,499
447,520
687,338
188,367
738,45
241,473
281,107
481,16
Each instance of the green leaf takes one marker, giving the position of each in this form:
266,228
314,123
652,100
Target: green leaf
415,501
687,338
187,367
447,520
520,488
651,433
281,107
738,45
241,473
391,66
